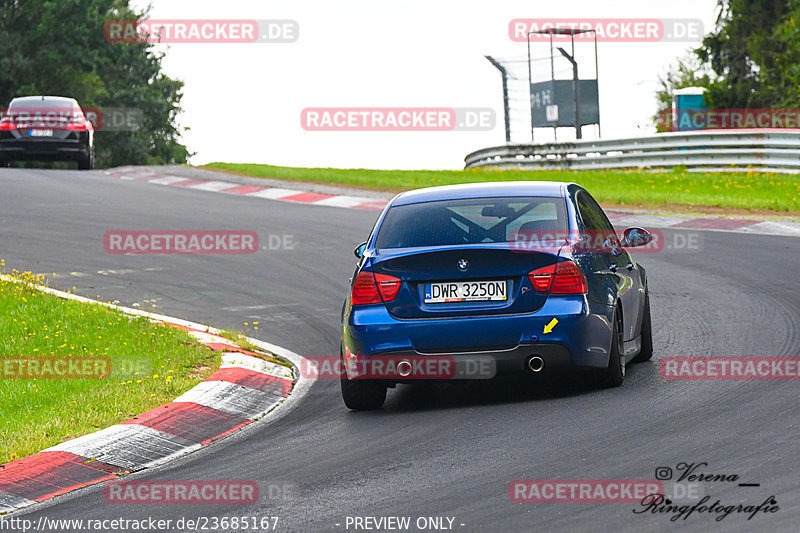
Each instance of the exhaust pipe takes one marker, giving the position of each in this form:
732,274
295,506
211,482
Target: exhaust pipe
536,363
404,368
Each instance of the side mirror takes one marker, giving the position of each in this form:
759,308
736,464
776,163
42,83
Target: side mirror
359,251
633,237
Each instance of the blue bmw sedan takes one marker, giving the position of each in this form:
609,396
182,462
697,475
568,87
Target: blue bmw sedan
467,281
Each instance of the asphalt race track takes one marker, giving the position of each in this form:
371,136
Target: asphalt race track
433,451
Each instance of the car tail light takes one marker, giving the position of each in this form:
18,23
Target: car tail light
565,277
7,124
76,126
373,288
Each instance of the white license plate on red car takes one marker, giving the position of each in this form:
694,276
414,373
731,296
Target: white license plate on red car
466,291
41,133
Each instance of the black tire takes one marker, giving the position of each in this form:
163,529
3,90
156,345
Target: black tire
646,353
363,394
86,163
4,163
614,374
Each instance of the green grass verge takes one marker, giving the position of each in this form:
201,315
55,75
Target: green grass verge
240,339
151,364
736,190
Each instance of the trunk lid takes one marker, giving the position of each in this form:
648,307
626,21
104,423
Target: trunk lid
419,268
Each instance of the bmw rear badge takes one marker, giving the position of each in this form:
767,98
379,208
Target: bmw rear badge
463,264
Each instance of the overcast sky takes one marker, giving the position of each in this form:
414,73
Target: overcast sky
243,102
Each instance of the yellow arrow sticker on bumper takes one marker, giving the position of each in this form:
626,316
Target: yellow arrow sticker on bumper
549,327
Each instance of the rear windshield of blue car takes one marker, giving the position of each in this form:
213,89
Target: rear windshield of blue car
471,221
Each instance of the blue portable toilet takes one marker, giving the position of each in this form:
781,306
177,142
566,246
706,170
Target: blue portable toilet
686,103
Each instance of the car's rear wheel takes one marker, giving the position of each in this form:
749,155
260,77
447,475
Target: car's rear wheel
4,163
646,352
614,374
363,394
86,162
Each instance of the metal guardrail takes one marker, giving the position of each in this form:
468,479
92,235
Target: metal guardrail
777,150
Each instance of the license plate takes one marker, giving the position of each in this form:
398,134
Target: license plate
41,133
466,291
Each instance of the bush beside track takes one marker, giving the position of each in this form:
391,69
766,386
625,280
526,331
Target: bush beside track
670,190
151,364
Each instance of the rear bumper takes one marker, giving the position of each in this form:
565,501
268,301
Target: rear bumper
39,149
477,365
580,339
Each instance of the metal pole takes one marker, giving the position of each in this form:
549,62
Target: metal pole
597,78
575,100
578,133
530,82
553,85
503,73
